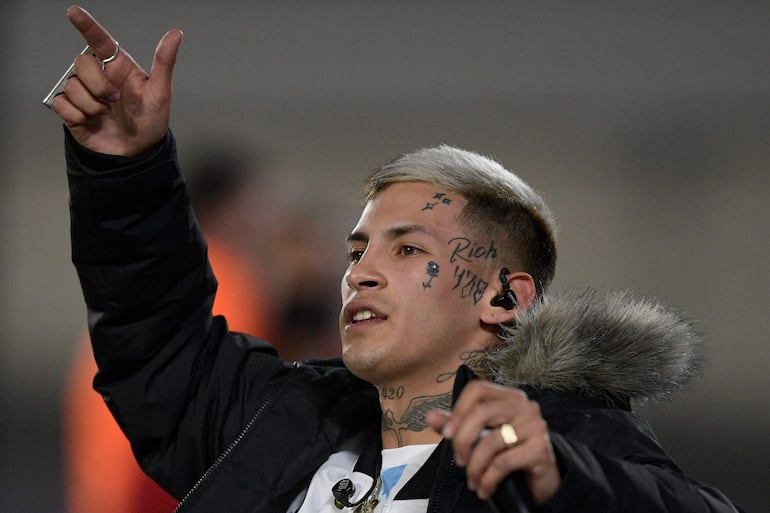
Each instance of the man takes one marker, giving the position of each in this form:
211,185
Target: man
449,267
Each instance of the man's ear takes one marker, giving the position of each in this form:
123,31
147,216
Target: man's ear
520,284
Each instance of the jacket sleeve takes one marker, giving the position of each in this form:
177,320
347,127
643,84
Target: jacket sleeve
179,384
611,462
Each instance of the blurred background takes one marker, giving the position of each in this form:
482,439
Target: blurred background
646,125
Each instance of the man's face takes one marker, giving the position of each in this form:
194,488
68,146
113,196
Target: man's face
412,293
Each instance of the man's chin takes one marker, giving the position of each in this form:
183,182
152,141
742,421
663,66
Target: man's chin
361,366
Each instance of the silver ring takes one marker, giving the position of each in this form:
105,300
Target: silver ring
111,57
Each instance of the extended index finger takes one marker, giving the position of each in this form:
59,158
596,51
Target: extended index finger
97,37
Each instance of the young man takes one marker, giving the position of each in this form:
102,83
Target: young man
449,266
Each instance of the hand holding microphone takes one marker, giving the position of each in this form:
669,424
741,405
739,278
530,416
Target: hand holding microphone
501,439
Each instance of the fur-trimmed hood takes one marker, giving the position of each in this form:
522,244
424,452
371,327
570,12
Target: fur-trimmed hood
605,345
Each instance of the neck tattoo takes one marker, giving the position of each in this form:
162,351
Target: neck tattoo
415,417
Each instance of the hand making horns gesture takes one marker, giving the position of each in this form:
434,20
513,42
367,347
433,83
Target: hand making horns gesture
111,105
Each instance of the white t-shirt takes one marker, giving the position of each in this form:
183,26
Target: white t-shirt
398,467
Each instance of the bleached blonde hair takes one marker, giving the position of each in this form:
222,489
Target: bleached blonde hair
499,203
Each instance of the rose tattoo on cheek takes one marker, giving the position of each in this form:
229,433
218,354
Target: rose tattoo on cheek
432,271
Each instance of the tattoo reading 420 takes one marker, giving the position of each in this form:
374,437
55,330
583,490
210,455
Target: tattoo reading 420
392,392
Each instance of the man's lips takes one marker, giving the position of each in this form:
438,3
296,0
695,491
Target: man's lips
364,315
360,313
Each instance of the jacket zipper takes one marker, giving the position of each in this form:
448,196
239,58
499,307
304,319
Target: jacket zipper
436,498
221,458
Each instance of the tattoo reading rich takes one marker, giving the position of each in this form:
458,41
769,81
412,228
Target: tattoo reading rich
467,250
415,416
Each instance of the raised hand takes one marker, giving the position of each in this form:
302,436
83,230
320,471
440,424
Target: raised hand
117,108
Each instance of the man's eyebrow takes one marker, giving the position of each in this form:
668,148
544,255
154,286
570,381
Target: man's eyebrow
398,231
357,237
391,233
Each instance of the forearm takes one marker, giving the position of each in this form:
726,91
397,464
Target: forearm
137,250
142,266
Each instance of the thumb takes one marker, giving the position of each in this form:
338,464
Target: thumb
165,59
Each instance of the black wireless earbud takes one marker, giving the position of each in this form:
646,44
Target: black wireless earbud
507,299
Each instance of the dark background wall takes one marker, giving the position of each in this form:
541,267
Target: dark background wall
646,125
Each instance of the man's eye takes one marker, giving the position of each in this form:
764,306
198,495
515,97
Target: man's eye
407,250
354,255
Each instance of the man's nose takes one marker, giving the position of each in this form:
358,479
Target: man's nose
365,274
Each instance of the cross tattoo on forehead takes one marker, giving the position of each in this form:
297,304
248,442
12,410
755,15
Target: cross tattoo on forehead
440,197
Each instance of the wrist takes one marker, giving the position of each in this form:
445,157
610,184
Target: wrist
94,161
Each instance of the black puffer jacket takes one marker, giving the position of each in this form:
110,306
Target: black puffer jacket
222,423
